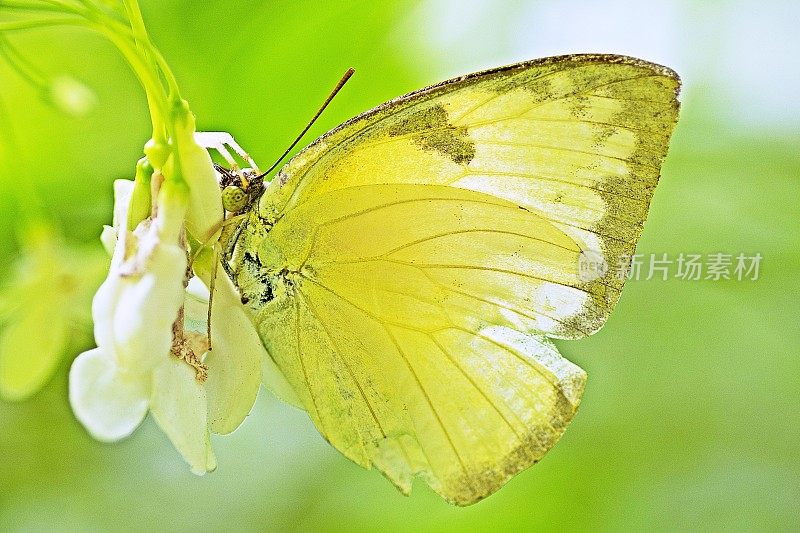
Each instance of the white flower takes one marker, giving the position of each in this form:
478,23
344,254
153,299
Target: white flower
204,215
146,359
133,369
152,351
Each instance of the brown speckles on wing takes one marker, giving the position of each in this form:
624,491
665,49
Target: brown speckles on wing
430,130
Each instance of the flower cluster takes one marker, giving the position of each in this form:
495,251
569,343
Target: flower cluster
153,338
149,315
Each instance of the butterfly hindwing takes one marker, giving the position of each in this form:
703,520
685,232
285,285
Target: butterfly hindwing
402,361
407,268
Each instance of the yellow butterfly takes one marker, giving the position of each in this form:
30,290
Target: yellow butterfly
407,270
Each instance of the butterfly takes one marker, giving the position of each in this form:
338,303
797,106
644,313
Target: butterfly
408,270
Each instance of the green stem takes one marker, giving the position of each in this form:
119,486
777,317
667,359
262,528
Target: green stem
123,38
42,23
159,108
144,66
143,41
106,7
132,40
62,6
172,83
27,6
139,32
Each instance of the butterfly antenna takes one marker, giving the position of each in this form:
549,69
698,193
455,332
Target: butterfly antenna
335,90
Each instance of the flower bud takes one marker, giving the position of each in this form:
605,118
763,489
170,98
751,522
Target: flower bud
71,96
204,217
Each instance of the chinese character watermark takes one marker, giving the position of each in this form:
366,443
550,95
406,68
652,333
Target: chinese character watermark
716,266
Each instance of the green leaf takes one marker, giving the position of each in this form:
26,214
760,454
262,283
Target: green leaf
30,350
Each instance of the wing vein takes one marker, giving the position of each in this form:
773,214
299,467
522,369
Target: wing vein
489,269
532,363
532,176
372,209
299,354
563,149
595,122
501,305
343,360
565,96
405,359
456,232
428,400
477,387
519,115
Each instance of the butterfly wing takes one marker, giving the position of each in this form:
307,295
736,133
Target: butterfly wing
407,268
578,139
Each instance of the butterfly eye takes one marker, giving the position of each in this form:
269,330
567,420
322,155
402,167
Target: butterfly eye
234,199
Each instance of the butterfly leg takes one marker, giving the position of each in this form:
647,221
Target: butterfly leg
214,269
221,141
221,249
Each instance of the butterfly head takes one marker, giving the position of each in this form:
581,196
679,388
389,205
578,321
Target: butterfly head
240,188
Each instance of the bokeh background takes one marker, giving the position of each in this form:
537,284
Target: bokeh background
691,418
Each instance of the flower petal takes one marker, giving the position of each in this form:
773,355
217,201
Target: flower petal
123,191
179,406
204,218
147,306
103,309
234,363
109,402
108,238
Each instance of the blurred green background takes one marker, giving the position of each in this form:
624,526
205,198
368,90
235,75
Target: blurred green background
691,416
